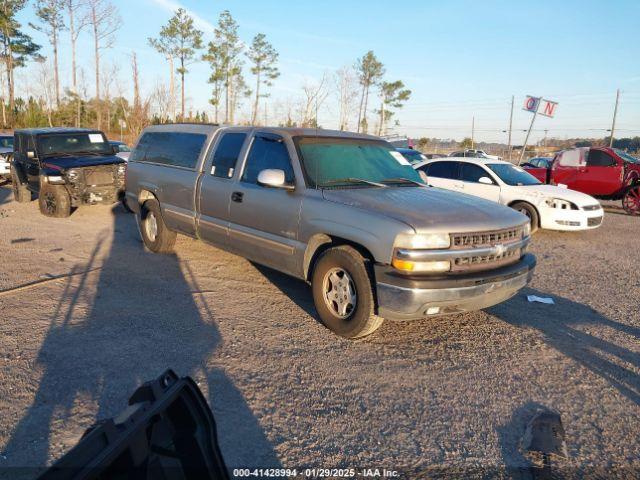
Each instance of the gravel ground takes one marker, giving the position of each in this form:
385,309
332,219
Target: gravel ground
450,394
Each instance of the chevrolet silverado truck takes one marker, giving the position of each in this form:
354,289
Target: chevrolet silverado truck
343,212
65,168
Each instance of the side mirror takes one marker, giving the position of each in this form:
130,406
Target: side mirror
31,154
274,178
485,181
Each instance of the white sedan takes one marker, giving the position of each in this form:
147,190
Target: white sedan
548,206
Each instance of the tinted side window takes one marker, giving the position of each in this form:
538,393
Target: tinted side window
443,170
267,153
472,173
170,148
226,154
598,158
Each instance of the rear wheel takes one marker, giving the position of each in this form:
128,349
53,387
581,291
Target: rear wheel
155,234
21,193
343,293
530,211
631,200
54,201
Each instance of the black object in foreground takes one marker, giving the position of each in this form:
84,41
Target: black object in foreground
167,432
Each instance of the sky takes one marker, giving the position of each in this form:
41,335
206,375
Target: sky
462,60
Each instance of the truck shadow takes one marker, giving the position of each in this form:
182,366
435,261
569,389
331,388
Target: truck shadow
565,327
108,335
6,193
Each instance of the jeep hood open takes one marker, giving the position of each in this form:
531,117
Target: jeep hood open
429,209
82,161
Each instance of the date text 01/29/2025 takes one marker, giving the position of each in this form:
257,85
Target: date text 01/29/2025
315,472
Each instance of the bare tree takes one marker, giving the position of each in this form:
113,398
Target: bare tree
47,86
77,23
137,116
315,95
49,12
111,75
162,102
347,91
104,20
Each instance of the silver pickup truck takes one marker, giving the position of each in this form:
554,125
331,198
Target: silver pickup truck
344,212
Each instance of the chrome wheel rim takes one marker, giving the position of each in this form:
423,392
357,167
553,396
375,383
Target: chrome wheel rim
151,226
339,293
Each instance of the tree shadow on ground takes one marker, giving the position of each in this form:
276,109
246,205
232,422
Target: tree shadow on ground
564,326
143,318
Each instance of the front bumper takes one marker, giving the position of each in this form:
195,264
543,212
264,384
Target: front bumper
570,220
407,298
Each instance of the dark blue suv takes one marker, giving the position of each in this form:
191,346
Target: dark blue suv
65,168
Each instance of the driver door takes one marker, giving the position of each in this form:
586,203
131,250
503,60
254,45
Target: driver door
264,220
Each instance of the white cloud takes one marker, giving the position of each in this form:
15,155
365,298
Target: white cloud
172,6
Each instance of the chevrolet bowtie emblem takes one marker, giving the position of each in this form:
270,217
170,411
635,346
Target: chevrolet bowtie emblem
499,249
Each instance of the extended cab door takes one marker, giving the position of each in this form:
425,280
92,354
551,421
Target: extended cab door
264,220
30,166
216,185
602,174
470,176
443,174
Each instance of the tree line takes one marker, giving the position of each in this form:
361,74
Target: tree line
109,105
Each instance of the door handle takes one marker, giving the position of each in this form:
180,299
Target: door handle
237,197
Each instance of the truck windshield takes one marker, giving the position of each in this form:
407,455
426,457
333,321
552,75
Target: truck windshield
74,144
626,157
513,175
338,162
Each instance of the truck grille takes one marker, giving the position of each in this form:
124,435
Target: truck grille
485,239
103,175
503,237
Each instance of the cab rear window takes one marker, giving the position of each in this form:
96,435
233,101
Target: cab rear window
177,149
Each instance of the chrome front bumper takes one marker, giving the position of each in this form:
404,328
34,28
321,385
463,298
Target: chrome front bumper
411,300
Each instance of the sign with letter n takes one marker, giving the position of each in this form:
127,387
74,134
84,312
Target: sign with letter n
547,108
531,104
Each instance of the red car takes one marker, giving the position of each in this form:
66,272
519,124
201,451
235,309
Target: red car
606,173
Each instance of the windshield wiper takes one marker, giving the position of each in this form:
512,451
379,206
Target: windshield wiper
404,181
351,180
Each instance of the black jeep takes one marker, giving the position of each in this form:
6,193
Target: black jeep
66,168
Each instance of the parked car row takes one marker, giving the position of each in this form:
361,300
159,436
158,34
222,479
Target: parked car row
606,173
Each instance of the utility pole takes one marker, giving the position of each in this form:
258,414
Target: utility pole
473,132
510,126
544,140
615,113
526,139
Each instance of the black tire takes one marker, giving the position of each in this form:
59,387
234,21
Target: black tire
357,321
54,201
530,211
164,239
631,200
21,193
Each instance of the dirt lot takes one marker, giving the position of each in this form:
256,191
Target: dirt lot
453,393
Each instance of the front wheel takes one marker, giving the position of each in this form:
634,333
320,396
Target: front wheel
155,234
54,201
21,193
631,200
343,293
530,211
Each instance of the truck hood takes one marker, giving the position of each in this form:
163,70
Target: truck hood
82,161
430,209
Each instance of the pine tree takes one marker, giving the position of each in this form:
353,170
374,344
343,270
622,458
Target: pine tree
264,58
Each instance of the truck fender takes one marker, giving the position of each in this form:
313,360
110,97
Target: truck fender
19,172
314,244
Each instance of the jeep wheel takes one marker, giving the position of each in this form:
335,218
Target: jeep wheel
631,200
54,201
530,211
155,234
343,293
21,193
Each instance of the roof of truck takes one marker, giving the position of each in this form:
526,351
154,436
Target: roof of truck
37,131
287,131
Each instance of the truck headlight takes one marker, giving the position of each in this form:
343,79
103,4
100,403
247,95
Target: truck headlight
72,175
526,230
423,240
420,241
561,204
